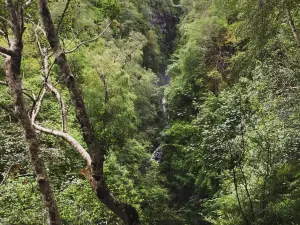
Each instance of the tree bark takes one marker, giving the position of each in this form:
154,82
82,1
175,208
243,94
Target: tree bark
68,138
14,81
123,210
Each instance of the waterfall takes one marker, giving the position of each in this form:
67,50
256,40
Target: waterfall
164,105
158,152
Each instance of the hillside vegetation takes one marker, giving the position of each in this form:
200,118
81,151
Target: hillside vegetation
152,112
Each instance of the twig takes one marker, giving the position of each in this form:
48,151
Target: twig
61,103
88,41
25,175
39,104
6,175
5,34
27,3
28,95
63,15
6,20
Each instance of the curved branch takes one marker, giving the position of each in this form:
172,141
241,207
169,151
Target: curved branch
67,137
6,175
5,35
62,105
6,21
88,41
63,15
38,108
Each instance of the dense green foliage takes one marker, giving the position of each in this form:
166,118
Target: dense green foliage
230,139
231,151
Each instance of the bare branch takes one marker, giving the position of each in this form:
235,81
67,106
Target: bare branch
41,29
27,3
14,79
63,15
88,41
6,21
7,51
62,105
4,33
67,137
38,43
3,83
38,107
29,96
46,72
6,175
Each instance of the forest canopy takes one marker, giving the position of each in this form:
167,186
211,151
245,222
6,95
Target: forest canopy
149,112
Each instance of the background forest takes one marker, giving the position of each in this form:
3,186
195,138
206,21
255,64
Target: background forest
196,105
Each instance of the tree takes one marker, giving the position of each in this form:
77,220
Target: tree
125,211
13,58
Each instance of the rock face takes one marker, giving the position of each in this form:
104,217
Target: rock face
157,155
165,22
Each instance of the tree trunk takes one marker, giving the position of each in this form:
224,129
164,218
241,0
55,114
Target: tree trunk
13,59
13,77
123,210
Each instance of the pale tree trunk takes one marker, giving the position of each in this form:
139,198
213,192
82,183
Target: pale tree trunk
14,81
123,210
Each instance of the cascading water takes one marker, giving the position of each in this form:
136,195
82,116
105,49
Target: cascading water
157,154
164,105
166,22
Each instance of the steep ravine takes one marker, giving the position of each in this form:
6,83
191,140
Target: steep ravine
165,23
